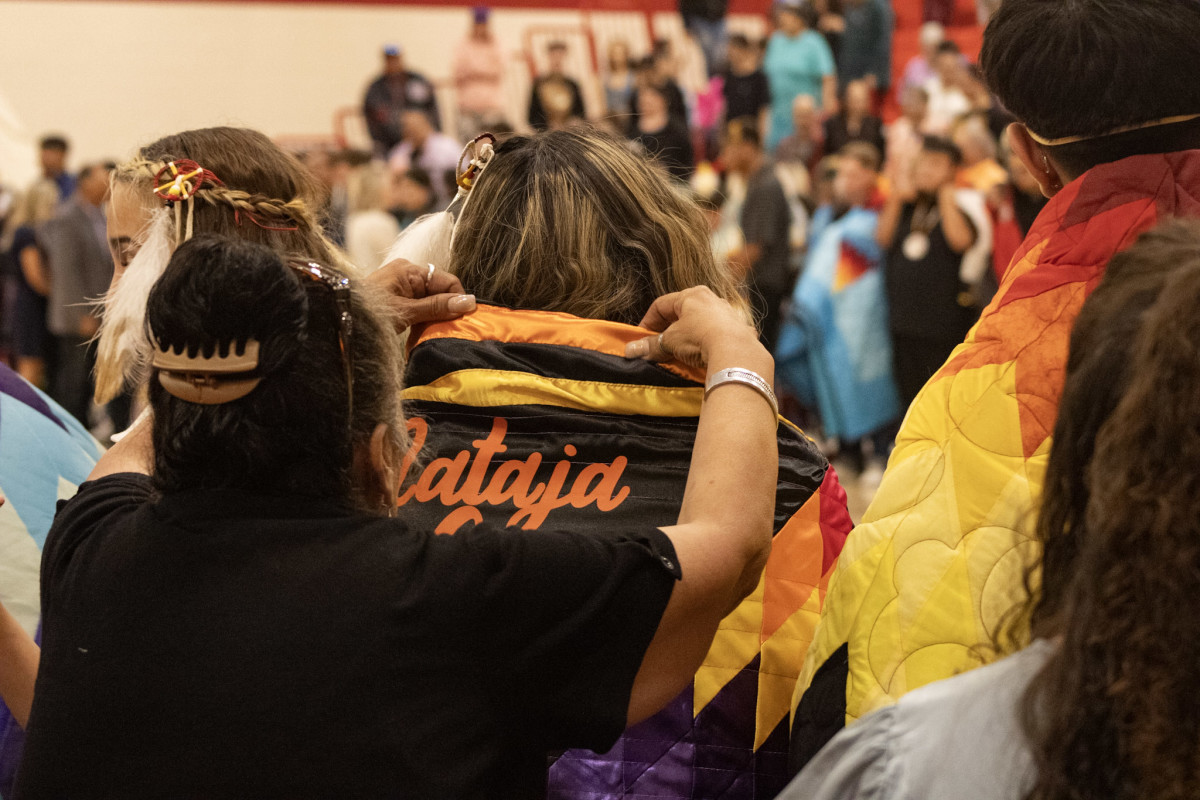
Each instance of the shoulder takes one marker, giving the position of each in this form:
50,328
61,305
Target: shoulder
100,507
858,763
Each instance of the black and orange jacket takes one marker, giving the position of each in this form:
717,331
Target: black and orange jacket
536,420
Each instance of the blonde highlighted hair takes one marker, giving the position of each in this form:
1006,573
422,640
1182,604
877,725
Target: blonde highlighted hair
572,221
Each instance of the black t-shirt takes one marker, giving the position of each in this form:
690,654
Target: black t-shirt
221,644
767,221
923,295
746,95
673,147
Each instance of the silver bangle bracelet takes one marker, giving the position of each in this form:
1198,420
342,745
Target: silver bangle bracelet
744,376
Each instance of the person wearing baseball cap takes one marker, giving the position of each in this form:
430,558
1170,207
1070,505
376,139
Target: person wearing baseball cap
392,93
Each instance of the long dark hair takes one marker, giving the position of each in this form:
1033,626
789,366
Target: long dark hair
291,434
1113,714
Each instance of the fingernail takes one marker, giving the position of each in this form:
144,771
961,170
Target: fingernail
638,349
462,303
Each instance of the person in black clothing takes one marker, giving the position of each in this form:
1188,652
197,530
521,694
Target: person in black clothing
925,234
658,70
704,20
231,610
555,99
855,122
747,92
390,95
661,136
766,227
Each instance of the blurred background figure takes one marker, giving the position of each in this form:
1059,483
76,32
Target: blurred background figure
865,52
798,61
904,137
704,21
662,136
393,93
52,157
947,100
660,70
1014,206
919,69
370,229
980,170
428,148
766,227
76,246
745,89
32,343
854,122
412,196
330,170
806,143
925,232
478,72
555,99
834,353
617,82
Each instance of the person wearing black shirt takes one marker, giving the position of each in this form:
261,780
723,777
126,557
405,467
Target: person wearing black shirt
230,609
855,122
555,100
658,70
661,135
747,92
766,227
925,234
391,94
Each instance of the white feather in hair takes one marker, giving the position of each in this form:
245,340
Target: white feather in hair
124,350
426,241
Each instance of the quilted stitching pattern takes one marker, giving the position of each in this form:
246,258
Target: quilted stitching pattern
936,564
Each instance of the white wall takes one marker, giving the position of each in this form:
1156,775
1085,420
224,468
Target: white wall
113,75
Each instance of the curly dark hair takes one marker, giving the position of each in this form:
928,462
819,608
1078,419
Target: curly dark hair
1113,713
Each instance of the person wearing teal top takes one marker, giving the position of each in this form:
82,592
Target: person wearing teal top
798,61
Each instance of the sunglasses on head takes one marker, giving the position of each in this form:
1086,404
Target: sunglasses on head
340,286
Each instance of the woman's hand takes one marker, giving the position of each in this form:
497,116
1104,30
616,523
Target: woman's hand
421,293
695,323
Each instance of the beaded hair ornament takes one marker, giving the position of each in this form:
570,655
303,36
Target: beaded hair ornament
125,351
429,239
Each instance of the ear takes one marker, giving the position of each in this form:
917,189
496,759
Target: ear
384,473
1035,160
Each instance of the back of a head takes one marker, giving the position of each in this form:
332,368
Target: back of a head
1098,370
1112,715
1070,68
572,221
256,192
290,433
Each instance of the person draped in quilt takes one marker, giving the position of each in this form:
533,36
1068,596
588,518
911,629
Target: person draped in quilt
523,414
1109,126
30,423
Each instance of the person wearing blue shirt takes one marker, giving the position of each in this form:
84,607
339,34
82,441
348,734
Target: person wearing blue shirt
798,61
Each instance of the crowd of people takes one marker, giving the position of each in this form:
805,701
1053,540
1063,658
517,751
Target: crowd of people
458,468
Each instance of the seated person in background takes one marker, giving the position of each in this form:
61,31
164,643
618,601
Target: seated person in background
45,453
426,148
412,196
979,170
746,91
661,136
370,229
854,122
555,99
833,352
807,143
925,233
530,419
232,610
1115,150
1115,619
